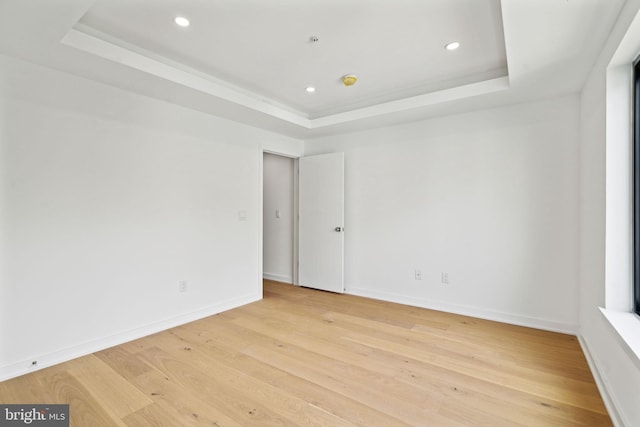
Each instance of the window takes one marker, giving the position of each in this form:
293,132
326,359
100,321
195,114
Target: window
636,186
622,195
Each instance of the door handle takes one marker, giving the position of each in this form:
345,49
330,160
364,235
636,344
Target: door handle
339,229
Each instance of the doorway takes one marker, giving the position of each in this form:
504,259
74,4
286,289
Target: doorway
279,243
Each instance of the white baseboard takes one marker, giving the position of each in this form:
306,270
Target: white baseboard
278,277
608,400
514,319
64,355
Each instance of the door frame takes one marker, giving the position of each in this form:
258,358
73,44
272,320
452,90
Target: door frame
296,162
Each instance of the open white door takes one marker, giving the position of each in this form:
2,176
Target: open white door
321,222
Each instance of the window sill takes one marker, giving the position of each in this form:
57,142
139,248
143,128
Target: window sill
627,327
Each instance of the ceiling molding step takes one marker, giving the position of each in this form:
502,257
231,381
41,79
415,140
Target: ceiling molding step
108,50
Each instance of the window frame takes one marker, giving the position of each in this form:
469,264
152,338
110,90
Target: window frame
636,186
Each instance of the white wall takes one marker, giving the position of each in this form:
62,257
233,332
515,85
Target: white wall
490,197
278,231
109,199
615,368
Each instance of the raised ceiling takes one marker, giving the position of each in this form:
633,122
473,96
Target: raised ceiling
396,48
251,60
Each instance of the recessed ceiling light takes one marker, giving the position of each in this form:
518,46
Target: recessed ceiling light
181,21
452,46
310,89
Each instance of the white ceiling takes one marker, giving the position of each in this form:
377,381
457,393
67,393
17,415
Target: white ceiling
251,60
396,48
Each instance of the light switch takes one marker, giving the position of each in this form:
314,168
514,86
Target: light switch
242,215
277,213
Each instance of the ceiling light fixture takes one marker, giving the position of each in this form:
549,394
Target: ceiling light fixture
310,89
181,21
349,80
452,46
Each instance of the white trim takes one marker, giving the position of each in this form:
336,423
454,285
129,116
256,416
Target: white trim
627,328
259,275
110,48
101,45
619,189
296,219
406,104
498,316
64,355
278,277
601,383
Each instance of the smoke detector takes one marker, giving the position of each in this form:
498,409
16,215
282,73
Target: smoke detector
349,80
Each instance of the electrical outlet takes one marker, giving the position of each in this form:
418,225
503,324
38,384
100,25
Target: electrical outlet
445,277
418,275
182,286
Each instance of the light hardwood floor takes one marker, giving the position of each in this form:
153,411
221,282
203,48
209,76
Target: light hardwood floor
302,357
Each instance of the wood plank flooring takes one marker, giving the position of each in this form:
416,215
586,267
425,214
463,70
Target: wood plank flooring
309,358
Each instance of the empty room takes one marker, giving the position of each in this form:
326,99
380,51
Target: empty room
327,213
